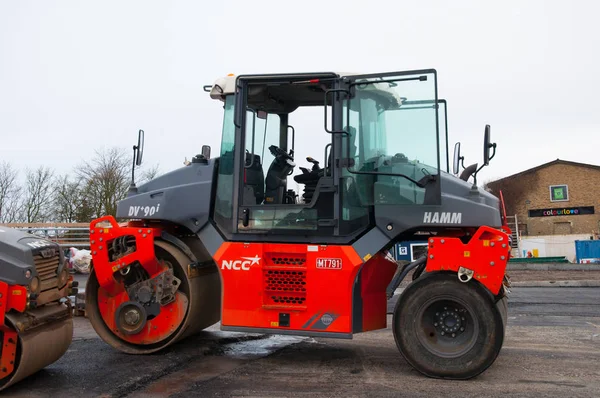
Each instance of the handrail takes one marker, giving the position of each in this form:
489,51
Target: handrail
65,234
46,225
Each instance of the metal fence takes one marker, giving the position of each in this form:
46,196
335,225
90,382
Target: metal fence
65,234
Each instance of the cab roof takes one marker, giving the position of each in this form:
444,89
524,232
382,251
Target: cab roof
295,91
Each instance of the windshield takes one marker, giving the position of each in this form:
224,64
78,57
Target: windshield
393,133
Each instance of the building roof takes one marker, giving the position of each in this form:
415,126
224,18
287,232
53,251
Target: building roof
552,163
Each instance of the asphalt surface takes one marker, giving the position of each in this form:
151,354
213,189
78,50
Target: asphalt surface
552,348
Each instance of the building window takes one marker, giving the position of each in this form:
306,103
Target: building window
559,193
417,250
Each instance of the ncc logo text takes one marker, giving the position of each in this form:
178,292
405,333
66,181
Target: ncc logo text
243,264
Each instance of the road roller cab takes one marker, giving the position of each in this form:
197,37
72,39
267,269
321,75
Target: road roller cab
264,244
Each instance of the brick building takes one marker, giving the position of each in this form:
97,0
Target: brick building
555,198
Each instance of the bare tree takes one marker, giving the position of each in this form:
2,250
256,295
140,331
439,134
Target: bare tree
105,180
37,196
68,199
9,193
149,174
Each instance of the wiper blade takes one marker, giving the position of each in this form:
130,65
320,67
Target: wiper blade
428,177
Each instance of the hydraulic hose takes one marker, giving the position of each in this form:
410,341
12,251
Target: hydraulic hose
399,276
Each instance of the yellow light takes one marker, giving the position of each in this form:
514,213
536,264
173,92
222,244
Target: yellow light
34,286
62,278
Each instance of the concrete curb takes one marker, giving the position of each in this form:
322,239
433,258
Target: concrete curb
581,283
552,267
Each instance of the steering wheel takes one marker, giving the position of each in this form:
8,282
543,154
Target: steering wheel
400,158
280,153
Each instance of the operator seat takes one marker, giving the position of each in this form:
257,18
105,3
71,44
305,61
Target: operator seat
276,180
311,178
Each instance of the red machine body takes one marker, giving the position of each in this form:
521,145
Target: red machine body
486,255
302,288
11,298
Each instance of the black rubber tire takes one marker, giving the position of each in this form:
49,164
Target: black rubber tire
502,305
485,325
503,308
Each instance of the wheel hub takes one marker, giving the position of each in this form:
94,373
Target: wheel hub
450,322
130,317
446,327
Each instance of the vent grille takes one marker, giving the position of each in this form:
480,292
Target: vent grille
288,261
286,281
284,277
46,269
288,299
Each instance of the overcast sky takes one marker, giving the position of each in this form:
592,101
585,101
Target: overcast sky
75,75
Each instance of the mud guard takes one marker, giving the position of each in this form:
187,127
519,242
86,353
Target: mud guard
483,258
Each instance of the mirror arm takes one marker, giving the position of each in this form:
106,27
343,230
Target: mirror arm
137,161
493,146
135,149
475,174
132,188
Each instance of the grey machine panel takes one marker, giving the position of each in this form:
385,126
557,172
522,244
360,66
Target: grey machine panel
462,206
17,251
182,196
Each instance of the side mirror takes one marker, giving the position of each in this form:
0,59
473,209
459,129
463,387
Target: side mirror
487,145
206,151
138,153
139,148
457,158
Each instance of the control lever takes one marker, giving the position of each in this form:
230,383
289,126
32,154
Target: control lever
315,163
